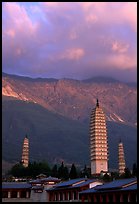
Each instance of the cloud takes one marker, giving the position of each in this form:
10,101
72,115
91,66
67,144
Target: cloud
69,39
73,35
91,18
118,47
72,54
129,13
17,18
112,12
10,33
121,61
18,29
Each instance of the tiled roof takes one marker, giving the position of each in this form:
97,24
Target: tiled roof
41,175
84,183
116,183
45,179
35,181
113,186
132,187
67,184
8,185
70,182
50,179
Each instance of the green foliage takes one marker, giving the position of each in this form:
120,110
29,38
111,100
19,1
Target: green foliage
126,174
54,171
86,172
63,172
18,170
73,172
66,173
106,178
32,170
114,175
37,168
134,170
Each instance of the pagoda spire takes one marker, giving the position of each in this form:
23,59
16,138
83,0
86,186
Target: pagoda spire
97,104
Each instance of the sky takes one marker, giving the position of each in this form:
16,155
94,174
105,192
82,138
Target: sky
76,40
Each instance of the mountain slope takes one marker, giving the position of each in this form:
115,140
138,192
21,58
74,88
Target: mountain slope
74,98
52,137
55,138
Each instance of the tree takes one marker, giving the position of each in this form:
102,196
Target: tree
32,170
54,171
60,170
18,170
85,172
127,173
44,168
106,177
114,175
134,170
63,172
73,172
66,173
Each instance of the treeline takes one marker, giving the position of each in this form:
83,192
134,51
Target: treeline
36,168
126,174
63,172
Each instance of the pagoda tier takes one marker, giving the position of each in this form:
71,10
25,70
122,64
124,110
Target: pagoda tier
25,152
121,158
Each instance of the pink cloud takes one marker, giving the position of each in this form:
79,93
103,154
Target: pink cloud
73,35
87,6
73,54
111,12
119,47
45,35
91,18
10,33
18,18
18,51
121,61
129,12
18,30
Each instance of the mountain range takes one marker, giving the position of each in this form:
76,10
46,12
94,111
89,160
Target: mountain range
55,114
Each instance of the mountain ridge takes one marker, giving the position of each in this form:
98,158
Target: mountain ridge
74,98
95,78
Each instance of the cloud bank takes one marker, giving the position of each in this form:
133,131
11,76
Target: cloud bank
71,39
